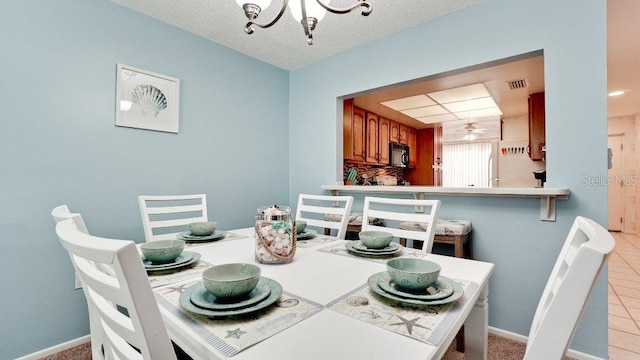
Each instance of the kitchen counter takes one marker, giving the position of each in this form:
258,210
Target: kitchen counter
547,196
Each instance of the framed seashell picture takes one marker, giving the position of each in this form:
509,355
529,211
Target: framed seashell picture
146,100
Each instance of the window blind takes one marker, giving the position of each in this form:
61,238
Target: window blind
466,164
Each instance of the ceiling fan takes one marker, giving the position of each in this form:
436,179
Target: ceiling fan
471,131
472,128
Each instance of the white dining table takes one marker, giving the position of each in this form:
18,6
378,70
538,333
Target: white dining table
323,277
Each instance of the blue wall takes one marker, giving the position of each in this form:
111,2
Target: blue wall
507,231
59,145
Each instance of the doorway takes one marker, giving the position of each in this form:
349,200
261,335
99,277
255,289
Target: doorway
615,183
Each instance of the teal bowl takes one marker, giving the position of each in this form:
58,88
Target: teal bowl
300,226
413,275
231,280
162,251
375,239
204,228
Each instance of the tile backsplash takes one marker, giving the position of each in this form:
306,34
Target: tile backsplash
371,172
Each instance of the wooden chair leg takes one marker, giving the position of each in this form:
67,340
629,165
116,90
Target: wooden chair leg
457,246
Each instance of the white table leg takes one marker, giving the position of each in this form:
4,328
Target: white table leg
476,328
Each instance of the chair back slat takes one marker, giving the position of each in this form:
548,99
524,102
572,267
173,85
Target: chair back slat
397,216
173,209
119,348
110,316
60,213
313,208
401,233
583,255
394,210
174,223
96,279
127,287
166,213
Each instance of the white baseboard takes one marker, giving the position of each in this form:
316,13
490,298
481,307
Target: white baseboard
508,334
521,338
56,348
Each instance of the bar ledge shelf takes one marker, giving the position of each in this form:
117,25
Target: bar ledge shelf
547,196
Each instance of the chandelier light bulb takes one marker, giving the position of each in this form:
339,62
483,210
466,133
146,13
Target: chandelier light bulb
314,10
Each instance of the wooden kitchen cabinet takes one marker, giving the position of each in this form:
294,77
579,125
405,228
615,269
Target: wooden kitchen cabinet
366,136
404,134
371,145
377,141
536,125
394,134
384,131
413,148
353,132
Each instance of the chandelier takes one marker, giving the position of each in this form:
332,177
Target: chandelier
307,12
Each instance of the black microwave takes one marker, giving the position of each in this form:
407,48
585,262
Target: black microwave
398,155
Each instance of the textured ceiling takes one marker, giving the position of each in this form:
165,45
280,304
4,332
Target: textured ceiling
284,44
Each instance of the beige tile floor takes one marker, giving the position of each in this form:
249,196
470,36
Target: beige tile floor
624,298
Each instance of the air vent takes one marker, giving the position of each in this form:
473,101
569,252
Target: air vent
517,84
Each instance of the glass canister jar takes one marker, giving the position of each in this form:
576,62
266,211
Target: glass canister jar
275,235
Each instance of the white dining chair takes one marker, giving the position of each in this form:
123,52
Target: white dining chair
313,209
393,211
163,217
583,255
60,213
137,333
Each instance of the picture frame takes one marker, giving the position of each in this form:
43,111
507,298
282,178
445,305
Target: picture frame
147,100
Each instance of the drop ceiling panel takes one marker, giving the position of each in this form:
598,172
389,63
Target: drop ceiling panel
468,105
425,111
479,113
461,93
437,118
411,102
